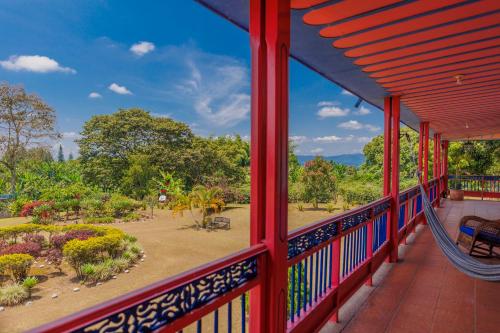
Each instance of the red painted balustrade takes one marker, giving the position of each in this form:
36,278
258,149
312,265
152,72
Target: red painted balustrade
328,261
477,186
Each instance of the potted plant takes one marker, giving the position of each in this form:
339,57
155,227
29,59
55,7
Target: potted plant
456,192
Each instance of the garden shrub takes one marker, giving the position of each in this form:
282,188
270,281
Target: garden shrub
44,214
17,205
121,205
58,241
359,193
16,265
99,220
29,208
55,256
29,283
131,217
30,248
13,294
34,238
94,207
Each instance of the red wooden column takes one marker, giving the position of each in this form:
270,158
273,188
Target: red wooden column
420,149
270,42
387,145
393,257
435,165
387,157
445,165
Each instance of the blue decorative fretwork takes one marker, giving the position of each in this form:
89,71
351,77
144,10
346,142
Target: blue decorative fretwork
161,310
381,207
355,219
304,242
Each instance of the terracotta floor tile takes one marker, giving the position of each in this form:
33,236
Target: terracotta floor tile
424,293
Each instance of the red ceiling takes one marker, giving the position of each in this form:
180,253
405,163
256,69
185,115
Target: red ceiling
417,48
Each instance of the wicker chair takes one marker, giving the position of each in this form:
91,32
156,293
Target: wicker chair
479,236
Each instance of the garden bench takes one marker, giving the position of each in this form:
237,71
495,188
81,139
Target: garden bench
220,222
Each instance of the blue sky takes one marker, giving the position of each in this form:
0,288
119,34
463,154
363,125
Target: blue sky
173,58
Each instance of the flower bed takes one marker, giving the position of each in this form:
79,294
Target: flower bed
95,253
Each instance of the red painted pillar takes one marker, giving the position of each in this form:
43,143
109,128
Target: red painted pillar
420,148
426,154
387,157
435,165
270,41
387,145
258,296
393,257
445,165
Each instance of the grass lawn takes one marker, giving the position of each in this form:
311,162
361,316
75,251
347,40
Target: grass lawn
171,246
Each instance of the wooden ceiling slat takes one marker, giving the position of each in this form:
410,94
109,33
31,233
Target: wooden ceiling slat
385,16
453,94
343,9
441,54
443,79
424,36
457,88
418,23
461,58
443,102
485,105
453,69
445,75
451,84
429,46
447,79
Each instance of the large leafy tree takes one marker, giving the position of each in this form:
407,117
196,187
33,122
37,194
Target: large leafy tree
319,181
474,157
108,141
26,121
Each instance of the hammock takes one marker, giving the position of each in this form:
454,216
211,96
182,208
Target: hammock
462,261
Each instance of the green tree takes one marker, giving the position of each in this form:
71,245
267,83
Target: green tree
474,157
60,154
319,181
109,140
70,157
139,176
25,121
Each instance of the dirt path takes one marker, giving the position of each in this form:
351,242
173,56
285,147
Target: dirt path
171,247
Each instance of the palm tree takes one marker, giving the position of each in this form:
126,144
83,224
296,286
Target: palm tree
203,198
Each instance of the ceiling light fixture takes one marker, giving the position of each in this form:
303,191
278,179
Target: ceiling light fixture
459,78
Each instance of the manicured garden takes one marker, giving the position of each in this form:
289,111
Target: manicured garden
94,253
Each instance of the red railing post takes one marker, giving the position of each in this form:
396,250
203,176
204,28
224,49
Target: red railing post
393,257
336,271
420,148
387,156
270,42
369,246
426,160
435,165
445,166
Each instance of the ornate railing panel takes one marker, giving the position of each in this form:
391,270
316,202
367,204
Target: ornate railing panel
172,301
476,186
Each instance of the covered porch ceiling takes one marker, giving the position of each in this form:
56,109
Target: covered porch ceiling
442,57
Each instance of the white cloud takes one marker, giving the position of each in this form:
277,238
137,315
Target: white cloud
142,48
351,124
121,90
362,111
332,111
327,139
298,139
345,92
34,63
316,150
356,125
217,87
328,103
161,115
71,135
364,139
372,128
95,95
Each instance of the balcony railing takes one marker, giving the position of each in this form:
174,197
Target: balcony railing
328,261
477,186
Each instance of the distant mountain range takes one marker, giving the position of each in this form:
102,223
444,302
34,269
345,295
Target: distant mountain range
347,159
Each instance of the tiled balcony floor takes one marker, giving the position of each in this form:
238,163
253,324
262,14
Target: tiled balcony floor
423,292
